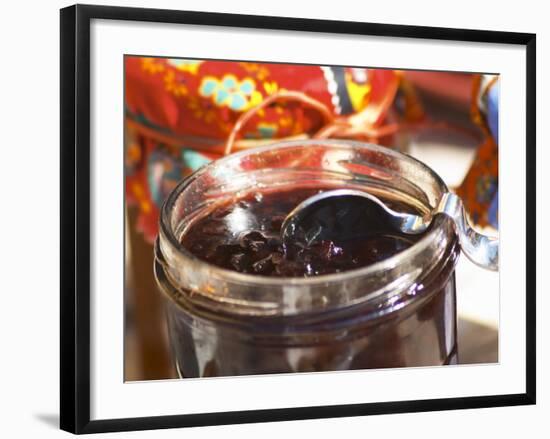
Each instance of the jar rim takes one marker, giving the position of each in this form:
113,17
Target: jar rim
169,237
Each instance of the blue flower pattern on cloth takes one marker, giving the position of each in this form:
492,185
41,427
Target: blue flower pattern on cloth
492,119
193,159
164,171
492,109
230,92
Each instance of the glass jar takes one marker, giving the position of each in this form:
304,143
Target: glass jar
398,312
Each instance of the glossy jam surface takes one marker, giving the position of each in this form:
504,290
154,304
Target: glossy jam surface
244,236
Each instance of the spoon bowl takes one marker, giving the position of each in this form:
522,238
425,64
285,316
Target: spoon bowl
346,214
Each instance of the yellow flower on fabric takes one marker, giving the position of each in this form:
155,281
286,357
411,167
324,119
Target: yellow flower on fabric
173,85
358,87
151,65
230,92
270,87
185,65
259,71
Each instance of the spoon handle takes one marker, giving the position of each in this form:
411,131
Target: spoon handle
482,250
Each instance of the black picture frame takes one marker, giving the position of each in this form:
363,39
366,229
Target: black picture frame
75,217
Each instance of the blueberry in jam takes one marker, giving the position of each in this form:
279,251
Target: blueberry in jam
244,236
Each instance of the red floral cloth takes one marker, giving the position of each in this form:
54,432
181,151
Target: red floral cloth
181,113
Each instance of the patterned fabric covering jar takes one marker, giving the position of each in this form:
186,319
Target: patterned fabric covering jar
479,189
182,113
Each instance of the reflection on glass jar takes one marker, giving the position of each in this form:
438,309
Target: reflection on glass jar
398,310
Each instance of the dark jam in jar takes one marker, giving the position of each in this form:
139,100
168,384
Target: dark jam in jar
244,236
239,302
401,315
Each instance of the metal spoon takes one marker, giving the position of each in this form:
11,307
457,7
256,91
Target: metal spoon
344,214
